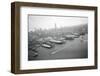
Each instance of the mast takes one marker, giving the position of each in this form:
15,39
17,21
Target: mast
55,27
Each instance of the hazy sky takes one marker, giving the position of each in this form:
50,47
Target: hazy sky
48,22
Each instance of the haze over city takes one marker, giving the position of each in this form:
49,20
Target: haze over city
48,22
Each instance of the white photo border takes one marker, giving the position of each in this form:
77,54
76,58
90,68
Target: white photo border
25,64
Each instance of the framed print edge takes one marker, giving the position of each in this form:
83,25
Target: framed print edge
15,37
96,37
12,38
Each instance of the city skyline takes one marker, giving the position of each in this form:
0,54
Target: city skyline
49,22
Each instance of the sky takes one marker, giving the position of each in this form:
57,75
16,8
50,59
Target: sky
48,22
